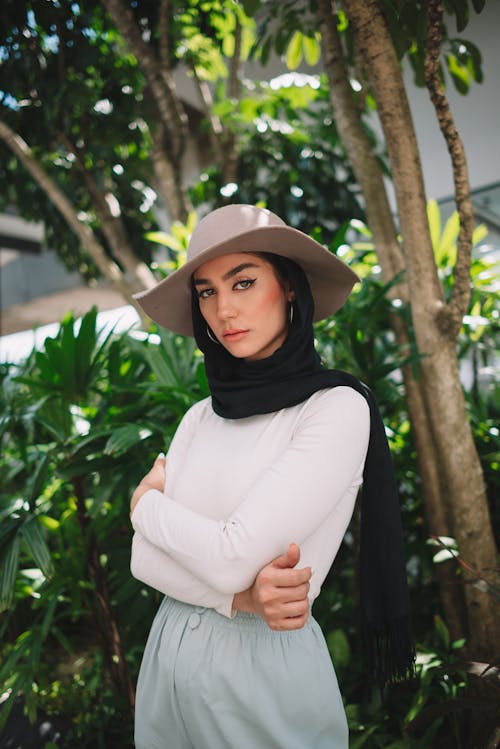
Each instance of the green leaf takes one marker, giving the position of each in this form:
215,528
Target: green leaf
480,232
312,49
446,248
434,220
126,437
443,555
442,631
339,648
8,571
50,523
251,6
86,341
37,546
266,51
39,478
359,741
461,9
459,74
165,239
294,51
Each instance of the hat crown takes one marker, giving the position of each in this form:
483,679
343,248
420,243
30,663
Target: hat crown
226,222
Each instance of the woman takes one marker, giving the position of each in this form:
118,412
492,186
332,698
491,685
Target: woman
274,457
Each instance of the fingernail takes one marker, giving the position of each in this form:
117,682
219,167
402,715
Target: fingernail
160,455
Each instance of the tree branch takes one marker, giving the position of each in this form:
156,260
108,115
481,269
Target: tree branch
233,84
207,102
365,165
163,27
107,267
169,177
451,314
230,146
375,46
158,77
112,226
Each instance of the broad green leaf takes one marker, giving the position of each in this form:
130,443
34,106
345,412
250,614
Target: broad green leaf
50,523
461,10
39,477
447,243
480,232
339,648
86,341
294,51
459,74
37,546
312,49
442,630
8,571
443,555
167,240
475,61
126,437
251,6
358,741
434,219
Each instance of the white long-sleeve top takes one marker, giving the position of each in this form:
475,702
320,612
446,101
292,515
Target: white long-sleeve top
237,492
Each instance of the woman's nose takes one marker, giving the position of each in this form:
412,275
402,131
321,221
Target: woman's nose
225,307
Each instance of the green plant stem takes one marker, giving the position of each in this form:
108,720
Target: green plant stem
103,615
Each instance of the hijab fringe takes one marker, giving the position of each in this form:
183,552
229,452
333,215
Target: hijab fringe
389,652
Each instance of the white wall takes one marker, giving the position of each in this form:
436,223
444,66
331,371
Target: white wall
477,115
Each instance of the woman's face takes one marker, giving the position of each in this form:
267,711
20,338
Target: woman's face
244,304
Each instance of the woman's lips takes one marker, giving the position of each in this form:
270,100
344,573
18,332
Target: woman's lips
234,335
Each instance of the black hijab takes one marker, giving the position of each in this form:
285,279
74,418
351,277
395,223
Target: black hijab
289,376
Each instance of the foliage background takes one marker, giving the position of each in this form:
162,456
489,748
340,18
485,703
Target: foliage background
82,420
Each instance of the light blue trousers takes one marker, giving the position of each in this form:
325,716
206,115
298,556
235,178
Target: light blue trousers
209,682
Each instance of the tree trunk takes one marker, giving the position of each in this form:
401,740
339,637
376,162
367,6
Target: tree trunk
103,614
369,175
112,226
169,178
443,395
167,160
107,267
222,137
458,305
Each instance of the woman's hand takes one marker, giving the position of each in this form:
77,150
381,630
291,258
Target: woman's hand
279,593
155,479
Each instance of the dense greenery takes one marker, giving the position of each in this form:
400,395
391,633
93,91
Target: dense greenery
82,419
81,422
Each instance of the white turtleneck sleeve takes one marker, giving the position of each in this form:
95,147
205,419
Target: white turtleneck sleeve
246,489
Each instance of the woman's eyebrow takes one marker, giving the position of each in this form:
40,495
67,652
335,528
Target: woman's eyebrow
229,274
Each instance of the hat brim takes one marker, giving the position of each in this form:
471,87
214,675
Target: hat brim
331,280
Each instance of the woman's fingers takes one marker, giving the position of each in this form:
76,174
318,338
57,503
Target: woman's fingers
156,475
155,479
290,558
295,618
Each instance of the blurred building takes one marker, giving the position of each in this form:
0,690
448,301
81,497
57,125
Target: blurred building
35,288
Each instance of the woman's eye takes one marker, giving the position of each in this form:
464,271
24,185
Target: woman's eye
204,293
245,283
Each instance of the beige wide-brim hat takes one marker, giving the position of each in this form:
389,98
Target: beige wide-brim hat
247,228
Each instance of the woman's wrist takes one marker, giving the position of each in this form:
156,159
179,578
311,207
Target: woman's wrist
140,490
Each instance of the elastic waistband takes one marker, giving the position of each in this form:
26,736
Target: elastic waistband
242,619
